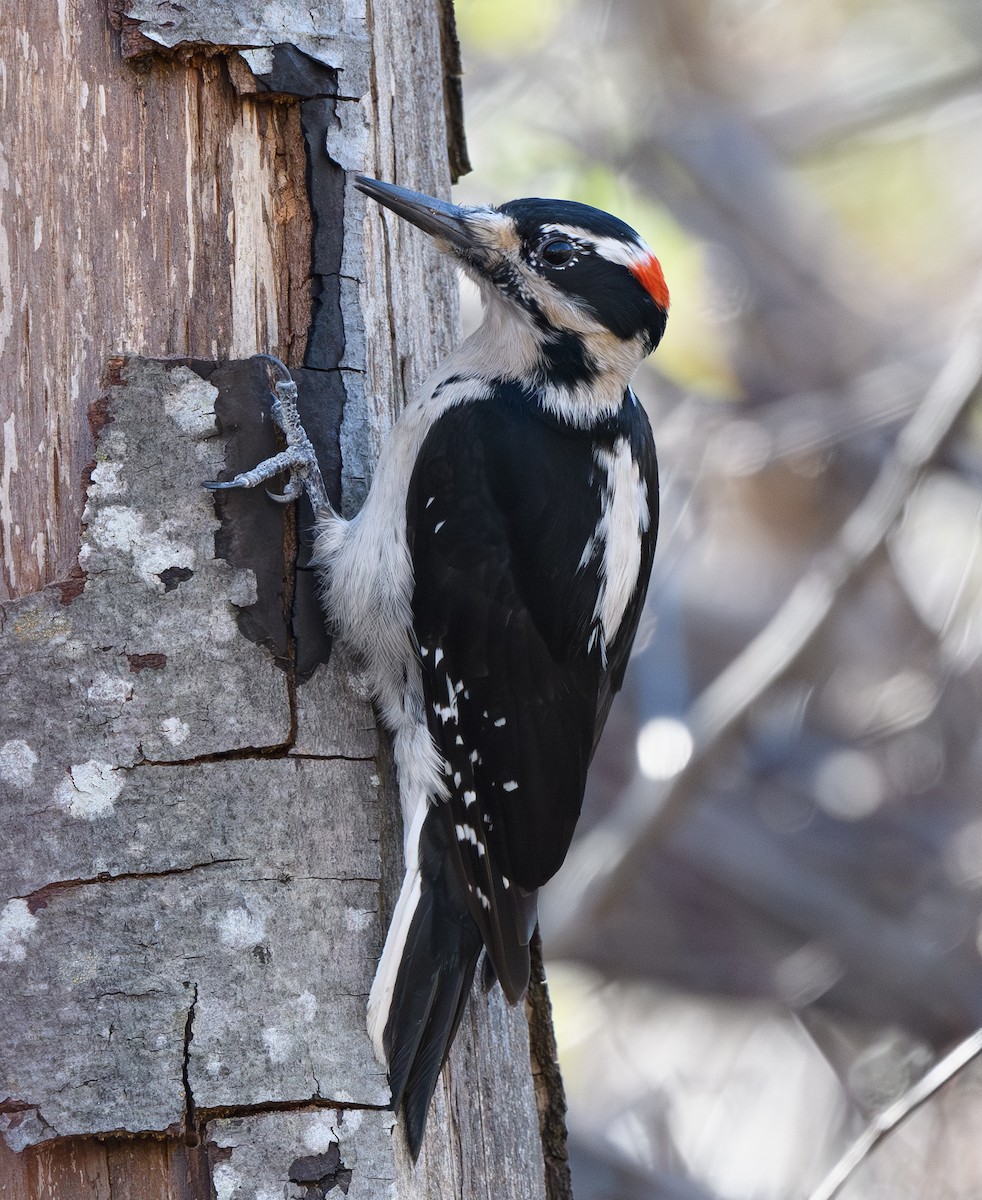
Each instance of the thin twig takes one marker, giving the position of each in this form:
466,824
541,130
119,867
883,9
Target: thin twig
898,1112
779,644
644,807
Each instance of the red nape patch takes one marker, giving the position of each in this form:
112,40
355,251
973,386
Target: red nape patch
649,274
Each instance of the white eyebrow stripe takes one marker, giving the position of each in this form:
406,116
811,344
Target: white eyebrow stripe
625,254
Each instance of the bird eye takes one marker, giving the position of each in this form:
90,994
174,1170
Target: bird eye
557,252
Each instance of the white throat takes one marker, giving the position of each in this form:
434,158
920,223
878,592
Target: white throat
508,345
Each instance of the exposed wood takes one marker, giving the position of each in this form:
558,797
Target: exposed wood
160,212
81,1167
113,1169
15,1174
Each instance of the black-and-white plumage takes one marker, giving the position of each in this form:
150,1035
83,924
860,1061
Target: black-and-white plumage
492,584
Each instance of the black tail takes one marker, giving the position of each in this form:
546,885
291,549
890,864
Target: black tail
433,980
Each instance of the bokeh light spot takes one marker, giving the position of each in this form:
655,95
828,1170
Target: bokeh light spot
664,747
849,784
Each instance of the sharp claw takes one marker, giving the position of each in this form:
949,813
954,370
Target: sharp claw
275,365
281,497
213,486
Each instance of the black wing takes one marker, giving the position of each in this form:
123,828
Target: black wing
503,508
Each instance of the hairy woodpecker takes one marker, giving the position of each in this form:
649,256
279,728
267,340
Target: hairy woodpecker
492,584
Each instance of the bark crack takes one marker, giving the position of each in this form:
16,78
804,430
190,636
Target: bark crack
277,750
43,895
191,1135
248,754
226,1111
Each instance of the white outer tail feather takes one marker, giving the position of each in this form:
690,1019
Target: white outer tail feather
383,985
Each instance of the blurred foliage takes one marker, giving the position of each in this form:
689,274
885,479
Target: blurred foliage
770,926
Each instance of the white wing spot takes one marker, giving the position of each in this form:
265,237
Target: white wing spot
450,712
470,797
438,526
500,721
430,501
597,636
438,656
467,833
510,786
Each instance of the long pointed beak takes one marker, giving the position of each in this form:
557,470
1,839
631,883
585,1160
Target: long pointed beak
448,222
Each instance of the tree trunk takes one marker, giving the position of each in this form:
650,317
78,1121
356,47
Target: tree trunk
201,832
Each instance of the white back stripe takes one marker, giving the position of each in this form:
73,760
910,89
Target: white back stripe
624,518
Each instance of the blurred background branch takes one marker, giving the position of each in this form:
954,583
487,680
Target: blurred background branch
769,930
889,1120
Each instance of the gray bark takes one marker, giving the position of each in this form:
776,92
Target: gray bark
201,839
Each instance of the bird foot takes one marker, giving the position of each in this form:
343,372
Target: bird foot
298,459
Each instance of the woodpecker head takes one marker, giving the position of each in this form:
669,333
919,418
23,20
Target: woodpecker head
582,297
